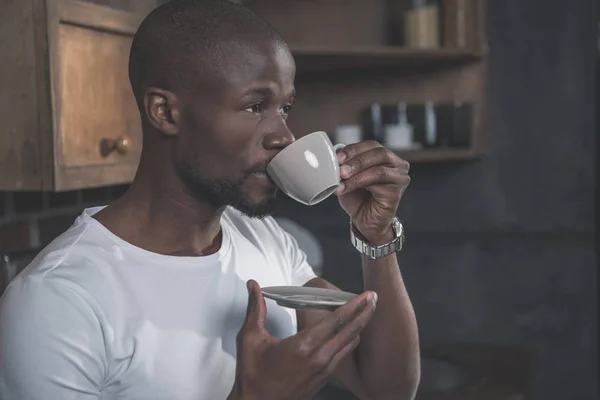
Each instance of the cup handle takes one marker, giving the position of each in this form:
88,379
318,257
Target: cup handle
338,147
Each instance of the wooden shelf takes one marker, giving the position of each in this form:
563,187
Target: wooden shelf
438,155
335,58
347,59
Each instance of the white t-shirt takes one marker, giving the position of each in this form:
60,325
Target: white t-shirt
94,317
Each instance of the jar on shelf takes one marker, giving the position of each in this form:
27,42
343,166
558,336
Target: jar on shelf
458,22
422,25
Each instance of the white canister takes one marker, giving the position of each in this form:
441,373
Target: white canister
398,137
347,134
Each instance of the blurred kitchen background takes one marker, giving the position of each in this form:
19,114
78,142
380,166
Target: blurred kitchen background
492,102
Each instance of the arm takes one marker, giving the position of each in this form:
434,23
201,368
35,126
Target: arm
50,342
389,359
386,363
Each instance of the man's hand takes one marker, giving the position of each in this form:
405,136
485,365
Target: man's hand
298,366
374,179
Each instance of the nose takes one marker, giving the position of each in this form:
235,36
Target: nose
278,139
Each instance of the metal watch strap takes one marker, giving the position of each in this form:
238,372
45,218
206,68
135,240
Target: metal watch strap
375,252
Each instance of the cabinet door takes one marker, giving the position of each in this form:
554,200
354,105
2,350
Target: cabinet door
98,135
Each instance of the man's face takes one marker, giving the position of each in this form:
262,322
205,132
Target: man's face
228,136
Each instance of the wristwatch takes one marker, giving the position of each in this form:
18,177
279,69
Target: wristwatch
375,252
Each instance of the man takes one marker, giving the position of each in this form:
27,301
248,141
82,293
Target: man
157,296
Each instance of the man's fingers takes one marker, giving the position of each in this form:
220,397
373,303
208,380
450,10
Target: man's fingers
331,366
379,177
256,311
316,336
349,331
350,151
363,161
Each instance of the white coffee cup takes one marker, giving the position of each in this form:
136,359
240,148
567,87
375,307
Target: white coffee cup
308,169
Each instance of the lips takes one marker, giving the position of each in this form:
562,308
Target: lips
263,175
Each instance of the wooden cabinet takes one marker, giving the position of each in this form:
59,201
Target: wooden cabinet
69,119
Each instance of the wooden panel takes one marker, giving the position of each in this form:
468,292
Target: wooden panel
20,166
44,93
94,176
87,33
316,59
141,7
97,17
97,39
480,28
329,22
95,96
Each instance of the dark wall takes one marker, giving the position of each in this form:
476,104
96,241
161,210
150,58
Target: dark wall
501,250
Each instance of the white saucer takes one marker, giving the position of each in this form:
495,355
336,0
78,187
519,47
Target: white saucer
307,298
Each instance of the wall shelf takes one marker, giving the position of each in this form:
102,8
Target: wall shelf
347,60
310,58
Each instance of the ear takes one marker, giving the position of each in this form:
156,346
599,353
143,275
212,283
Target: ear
162,109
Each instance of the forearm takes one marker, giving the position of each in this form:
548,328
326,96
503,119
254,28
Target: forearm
386,364
388,357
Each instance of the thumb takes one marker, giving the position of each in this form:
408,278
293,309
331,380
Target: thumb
257,308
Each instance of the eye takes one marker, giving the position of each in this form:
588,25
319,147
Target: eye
254,108
285,110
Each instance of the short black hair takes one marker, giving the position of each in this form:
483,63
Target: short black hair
182,39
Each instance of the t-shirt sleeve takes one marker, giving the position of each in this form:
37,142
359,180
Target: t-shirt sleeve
51,342
302,272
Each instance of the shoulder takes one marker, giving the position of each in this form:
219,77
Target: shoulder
55,318
74,264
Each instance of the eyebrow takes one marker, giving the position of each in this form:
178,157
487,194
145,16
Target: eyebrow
266,92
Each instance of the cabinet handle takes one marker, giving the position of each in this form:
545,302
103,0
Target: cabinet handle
120,145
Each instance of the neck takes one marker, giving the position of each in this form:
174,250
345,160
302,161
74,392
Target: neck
159,215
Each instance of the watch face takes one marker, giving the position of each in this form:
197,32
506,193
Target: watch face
398,228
